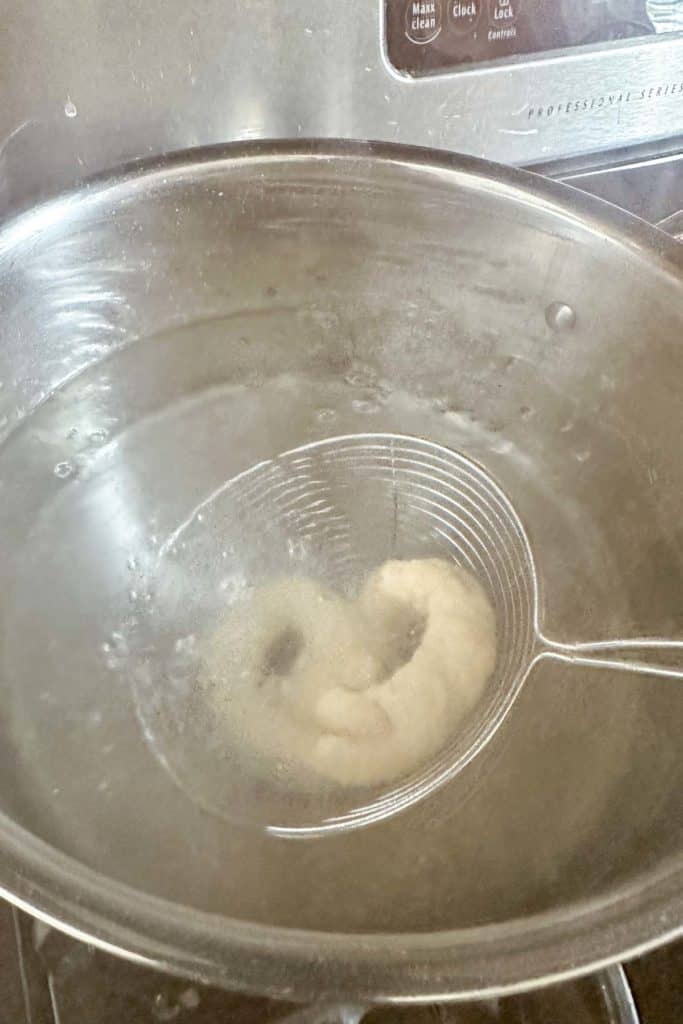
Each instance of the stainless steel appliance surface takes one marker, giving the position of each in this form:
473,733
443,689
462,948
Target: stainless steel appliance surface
170,326
86,86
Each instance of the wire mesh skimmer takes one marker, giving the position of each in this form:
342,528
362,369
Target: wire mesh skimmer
334,509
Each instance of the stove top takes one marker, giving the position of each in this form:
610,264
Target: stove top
48,978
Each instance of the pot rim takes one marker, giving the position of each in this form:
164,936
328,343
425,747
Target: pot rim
478,962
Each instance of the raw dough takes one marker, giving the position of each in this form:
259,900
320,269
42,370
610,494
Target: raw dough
359,692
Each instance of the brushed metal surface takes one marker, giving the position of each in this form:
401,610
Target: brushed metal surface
86,86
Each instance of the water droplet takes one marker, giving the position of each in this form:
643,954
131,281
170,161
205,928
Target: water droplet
566,427
133,563
70,108
582,456
200,517
63,470
560,316
132,595
72,433
325,415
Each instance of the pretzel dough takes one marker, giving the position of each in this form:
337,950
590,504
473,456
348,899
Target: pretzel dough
358,692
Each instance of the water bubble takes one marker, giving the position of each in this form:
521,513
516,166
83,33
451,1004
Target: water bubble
325,415
115,651
164,1008
503,447
98,436
229,585
72,433
63,470
361,376
132,596
70,108
526,412
365,405
560,316
185,644
133,563
582,456
325,318
189,998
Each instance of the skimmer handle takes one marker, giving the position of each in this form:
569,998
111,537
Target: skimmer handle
651,656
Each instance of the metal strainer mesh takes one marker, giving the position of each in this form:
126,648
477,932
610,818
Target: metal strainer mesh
335,509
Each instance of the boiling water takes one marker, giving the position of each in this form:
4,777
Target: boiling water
119,563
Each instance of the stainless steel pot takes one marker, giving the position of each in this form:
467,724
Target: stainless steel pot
167,326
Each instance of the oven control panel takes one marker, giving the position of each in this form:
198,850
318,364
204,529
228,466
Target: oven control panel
425,37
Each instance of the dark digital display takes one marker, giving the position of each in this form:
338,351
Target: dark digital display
427,36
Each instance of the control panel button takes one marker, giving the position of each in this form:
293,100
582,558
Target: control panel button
423,20
503,13
463,15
